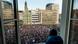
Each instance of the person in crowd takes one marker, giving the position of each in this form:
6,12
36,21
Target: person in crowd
53,38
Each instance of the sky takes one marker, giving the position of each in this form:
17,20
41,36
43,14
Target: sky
32,4
76,4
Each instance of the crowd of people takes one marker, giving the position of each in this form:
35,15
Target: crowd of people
34,33
10,35
28,34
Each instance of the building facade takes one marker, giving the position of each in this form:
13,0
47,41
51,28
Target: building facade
20,13
50,16
7,10
26,16
36,16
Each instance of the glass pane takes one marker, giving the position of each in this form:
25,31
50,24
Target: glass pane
36,18
1,37
9,23
7,8
0,32
75,10
74,32
10,36
74,24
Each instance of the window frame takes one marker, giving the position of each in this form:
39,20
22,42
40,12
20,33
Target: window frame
16,20
64,26
65,20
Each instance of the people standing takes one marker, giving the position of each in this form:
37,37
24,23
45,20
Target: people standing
53,38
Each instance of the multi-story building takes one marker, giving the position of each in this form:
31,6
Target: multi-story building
7,10
50,16
26,16
36,16
52,6
49,6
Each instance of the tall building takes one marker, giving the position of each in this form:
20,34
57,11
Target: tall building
49,6
26,16
52,6
36,16
50,16
7,10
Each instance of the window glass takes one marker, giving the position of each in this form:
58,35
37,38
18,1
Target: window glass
8,22
74,32
10,33
7,8
36,18
75,9
74,24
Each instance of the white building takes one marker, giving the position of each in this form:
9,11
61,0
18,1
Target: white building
36,17
21,13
